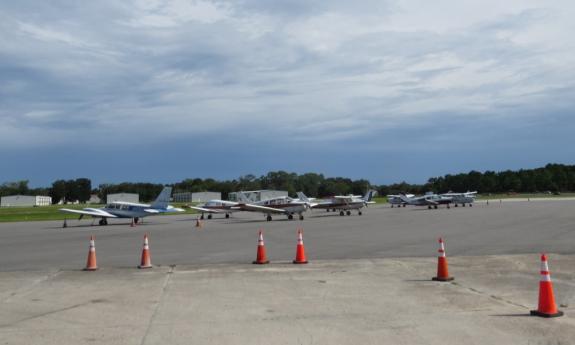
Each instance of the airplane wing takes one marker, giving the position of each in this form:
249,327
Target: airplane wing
152,211
94,212
258,208
206,210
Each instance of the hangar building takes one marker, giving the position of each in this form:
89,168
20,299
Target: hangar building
127,197
25,200
197,197
258,195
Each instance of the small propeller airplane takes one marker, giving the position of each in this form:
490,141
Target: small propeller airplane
461,198
343,203
217,207
430,200
122,209
281,205
396,199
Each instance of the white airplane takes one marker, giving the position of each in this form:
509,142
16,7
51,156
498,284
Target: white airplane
430,200
122,209
461,198
396,199
216,207
343,203
281,205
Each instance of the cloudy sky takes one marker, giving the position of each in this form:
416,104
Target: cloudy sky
385,90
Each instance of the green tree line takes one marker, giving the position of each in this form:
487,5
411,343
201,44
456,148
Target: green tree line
552,177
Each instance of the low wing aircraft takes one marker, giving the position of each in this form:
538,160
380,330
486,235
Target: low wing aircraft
343,203
282,205
121,209
429,200
461,198
396,199
216,207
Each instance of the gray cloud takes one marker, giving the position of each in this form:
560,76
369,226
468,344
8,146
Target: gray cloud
314,71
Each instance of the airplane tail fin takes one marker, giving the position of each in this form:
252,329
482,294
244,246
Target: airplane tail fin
403,197
163,199
302,197
369,195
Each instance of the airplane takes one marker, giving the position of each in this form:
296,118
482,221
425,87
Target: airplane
280,205
396,199
461,198
216,207
430,200
122,209
343,203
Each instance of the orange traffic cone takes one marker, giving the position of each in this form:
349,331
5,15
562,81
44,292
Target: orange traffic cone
91,264
442,271
261,258
547,306
198,223
300,252
145,262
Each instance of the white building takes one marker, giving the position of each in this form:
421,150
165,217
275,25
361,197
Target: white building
196,197
25,200
127,197
258,195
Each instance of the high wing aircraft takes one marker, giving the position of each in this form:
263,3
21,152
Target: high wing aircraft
429,200
343,203
396,199
281,205
121,209
461,198
216,207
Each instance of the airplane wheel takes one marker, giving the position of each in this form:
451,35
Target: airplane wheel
269,218
348,213
341,213
391,206
327,210
136,220
101,222
359,213
435,207
202,217
290,217
455,205
227,215
470,205
463,205
301,217
209,216
404,205
429,207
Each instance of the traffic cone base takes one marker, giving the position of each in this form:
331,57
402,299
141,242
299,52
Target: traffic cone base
538,313
299,262
148,266
442,279
260,262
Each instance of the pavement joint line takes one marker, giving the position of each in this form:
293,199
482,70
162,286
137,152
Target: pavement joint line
158,304
494,297
26,289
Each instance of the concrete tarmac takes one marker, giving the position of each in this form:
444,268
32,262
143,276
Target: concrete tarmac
368,280
506,228
373,301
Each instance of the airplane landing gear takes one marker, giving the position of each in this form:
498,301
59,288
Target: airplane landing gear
429,207
227,215
359,213
463,205
456,205
290,216
348,213
269,218
341,213
435,207
448,206
470,205
209,216
136,220
103,221
301,217
202,217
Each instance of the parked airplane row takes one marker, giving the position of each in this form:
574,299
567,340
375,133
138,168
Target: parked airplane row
275,206
433,200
